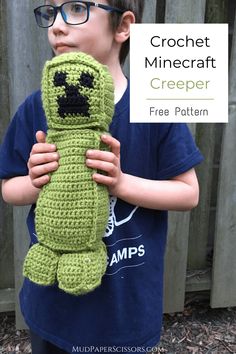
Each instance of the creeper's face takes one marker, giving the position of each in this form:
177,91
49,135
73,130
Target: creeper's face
73,102
77,92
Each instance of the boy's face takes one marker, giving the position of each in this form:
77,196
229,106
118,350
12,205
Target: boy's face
95,37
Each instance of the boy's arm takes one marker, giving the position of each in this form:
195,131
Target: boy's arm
19,191
179,193
24,190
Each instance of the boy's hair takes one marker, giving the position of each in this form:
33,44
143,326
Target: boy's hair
135,6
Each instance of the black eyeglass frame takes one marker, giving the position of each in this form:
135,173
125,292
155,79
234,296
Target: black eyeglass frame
88,4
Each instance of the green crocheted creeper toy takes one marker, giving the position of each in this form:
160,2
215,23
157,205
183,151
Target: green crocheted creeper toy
72,210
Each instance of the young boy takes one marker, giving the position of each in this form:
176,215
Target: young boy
149,170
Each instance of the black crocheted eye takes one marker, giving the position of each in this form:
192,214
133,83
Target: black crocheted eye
86,80
60,79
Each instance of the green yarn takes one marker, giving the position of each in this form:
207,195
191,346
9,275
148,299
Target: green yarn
72,210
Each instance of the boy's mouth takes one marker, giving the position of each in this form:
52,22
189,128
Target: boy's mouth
63,47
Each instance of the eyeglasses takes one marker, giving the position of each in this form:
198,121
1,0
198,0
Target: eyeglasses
72,12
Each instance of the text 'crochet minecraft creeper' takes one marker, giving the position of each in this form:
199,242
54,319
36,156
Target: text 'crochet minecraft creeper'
72,210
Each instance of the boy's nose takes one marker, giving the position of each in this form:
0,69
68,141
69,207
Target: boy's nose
59,23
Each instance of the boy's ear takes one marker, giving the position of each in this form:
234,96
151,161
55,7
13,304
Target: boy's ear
123,30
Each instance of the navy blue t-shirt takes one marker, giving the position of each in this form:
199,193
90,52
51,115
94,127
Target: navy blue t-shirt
126,310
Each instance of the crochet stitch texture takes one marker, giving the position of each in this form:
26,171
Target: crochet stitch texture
72,210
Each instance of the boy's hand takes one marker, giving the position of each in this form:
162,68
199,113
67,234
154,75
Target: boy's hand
43,160
107,161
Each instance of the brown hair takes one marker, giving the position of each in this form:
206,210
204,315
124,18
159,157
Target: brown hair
135,6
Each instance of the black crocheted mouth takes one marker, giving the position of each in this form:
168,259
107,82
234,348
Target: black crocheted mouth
73,103
76,105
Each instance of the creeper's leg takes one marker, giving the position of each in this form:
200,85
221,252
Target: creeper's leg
40,265
80,273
